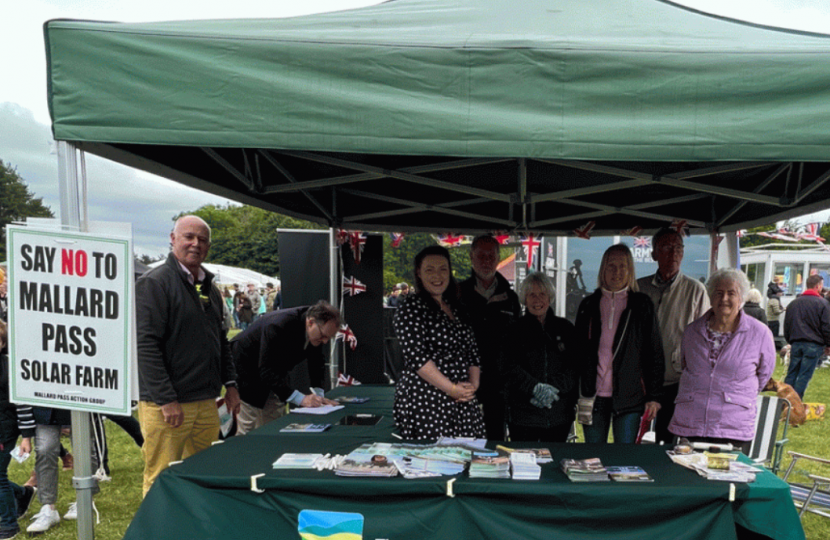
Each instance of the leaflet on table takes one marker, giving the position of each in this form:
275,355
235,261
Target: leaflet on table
305,428
628,474
297,461
456,454
324,409
415,467
462,441
737,472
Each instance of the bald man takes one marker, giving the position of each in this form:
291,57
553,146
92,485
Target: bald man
183,354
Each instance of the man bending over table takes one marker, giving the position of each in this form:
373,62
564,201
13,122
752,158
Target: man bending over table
269,349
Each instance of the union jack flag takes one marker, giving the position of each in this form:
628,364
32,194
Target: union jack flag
633,231
450,240
530,244
501,237
346,334
358,242
352,286
342,237
741,233
346,380
397,238
811,233
585,230
779,236
642,242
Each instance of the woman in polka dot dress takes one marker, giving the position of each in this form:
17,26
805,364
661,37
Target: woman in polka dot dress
435,395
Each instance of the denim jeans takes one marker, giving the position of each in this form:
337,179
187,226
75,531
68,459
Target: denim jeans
9,491
625,425
804,357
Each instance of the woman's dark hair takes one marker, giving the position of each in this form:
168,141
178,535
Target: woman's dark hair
452,293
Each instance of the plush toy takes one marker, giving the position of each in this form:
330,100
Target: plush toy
815,411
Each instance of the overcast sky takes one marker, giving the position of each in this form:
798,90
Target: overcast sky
118,193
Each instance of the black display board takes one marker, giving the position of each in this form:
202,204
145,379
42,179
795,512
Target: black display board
364,312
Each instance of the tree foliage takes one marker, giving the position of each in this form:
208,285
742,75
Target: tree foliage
246,236
398,263
16,202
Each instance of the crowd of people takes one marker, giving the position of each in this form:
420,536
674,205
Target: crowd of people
480,360
243,307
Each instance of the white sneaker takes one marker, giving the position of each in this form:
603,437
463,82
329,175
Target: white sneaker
72,513
44,520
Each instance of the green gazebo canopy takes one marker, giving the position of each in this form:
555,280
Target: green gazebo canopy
465,115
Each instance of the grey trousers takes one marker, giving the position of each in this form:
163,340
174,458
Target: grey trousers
47,448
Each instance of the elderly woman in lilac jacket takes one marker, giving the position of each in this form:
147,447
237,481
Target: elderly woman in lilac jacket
727,359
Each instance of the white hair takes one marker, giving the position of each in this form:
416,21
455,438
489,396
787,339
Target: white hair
728,274
754,296
536,278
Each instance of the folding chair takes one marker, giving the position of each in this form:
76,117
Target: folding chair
766,447
805,495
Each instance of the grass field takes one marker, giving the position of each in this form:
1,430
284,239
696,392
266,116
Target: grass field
120,498
812,438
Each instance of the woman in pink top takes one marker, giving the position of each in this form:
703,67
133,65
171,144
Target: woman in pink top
622,363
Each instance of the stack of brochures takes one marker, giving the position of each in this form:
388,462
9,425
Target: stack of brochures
524,466
628,474
490,464
349,467
585,470
542,455
297,461
411,460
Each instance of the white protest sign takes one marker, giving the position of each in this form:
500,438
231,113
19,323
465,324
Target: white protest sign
70,318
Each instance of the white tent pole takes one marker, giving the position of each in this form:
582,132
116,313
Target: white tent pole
561,275
68,185
335,301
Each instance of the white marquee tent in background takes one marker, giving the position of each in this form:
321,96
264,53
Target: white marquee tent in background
228,275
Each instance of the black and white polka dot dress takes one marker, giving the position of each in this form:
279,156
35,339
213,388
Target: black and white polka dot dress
421,410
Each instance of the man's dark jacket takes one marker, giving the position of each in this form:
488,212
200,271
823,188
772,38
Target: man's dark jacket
183,353
490,320
268,350
638,367
808,319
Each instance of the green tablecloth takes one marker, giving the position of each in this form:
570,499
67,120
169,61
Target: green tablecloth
209,495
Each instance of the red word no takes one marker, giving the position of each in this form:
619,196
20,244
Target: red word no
74,262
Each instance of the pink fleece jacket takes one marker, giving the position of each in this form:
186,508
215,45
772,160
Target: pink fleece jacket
720,400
